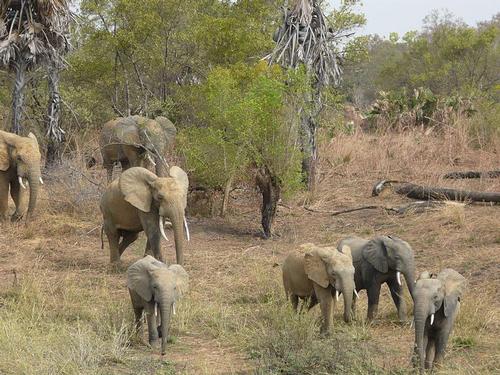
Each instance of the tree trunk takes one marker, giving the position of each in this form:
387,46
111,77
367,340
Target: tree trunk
227,191
309,149
270,189
53,130
20,67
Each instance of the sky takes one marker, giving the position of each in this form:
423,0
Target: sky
385,16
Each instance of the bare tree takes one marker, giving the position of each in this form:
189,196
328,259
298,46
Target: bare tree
36,33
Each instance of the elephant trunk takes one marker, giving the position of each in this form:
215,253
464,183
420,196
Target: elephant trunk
165,310
348,292
178,227
410,281
420,317
34,181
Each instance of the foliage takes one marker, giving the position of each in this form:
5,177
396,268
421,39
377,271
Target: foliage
247,118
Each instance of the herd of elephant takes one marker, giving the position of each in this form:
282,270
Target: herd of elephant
321,274
140,200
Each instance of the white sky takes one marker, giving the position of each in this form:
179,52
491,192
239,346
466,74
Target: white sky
385,16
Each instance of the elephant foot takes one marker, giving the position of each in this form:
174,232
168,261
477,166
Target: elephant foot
16,217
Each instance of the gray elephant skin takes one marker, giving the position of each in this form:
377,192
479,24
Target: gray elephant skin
19,163
140,201
154,288
129,140
382,260
437,303
317,276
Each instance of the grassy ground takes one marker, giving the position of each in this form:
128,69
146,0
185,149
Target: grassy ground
64,311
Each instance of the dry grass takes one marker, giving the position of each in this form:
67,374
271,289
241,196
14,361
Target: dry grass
69,312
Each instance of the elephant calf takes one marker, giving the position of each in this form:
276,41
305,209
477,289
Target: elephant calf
382,260
317,276
154,288
437,302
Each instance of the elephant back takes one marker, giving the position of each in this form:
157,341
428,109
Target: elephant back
151,135
120,130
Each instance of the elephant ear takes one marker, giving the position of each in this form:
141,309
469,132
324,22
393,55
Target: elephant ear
138,278
168,128
4,156
375,253
182,179
181,280
33,137
454,286
316,269
135,184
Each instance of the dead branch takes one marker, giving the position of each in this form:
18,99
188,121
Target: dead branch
472,174
434,193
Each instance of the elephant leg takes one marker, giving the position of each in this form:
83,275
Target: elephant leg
109,165
18,196
295,301
325,301
113,240
125,164
353,308
430,352
4,196
152,230
373,296
127,239
397,297
138,320
441,342
313,301
152,327
148,250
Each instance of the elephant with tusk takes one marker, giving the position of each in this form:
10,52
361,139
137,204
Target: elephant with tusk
317,276
19,170
154,288
140,201
437,303
382,260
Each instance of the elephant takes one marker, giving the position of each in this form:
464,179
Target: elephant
132,140
317,276
139,201
19,161
437,303
155,287
382,260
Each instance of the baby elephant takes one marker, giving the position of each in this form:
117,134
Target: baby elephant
437,302
155,287
318,275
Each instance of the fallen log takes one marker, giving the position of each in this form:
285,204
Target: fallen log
434,193
415,207
471,174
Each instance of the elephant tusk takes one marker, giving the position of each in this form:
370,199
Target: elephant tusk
337,295
432,319
411,323
173,308
162,230
20,179
156,309
186,228
398,276
356,293
41,180
151,160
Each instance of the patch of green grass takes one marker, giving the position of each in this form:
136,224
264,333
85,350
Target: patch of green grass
460,342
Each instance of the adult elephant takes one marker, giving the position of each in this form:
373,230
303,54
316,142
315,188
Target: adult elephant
155,287
437,303
317,276
19,162
139,201
132,140
382,260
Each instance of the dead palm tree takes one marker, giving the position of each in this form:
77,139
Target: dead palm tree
35,33
306,38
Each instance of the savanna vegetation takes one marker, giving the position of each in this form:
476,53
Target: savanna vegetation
409,107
